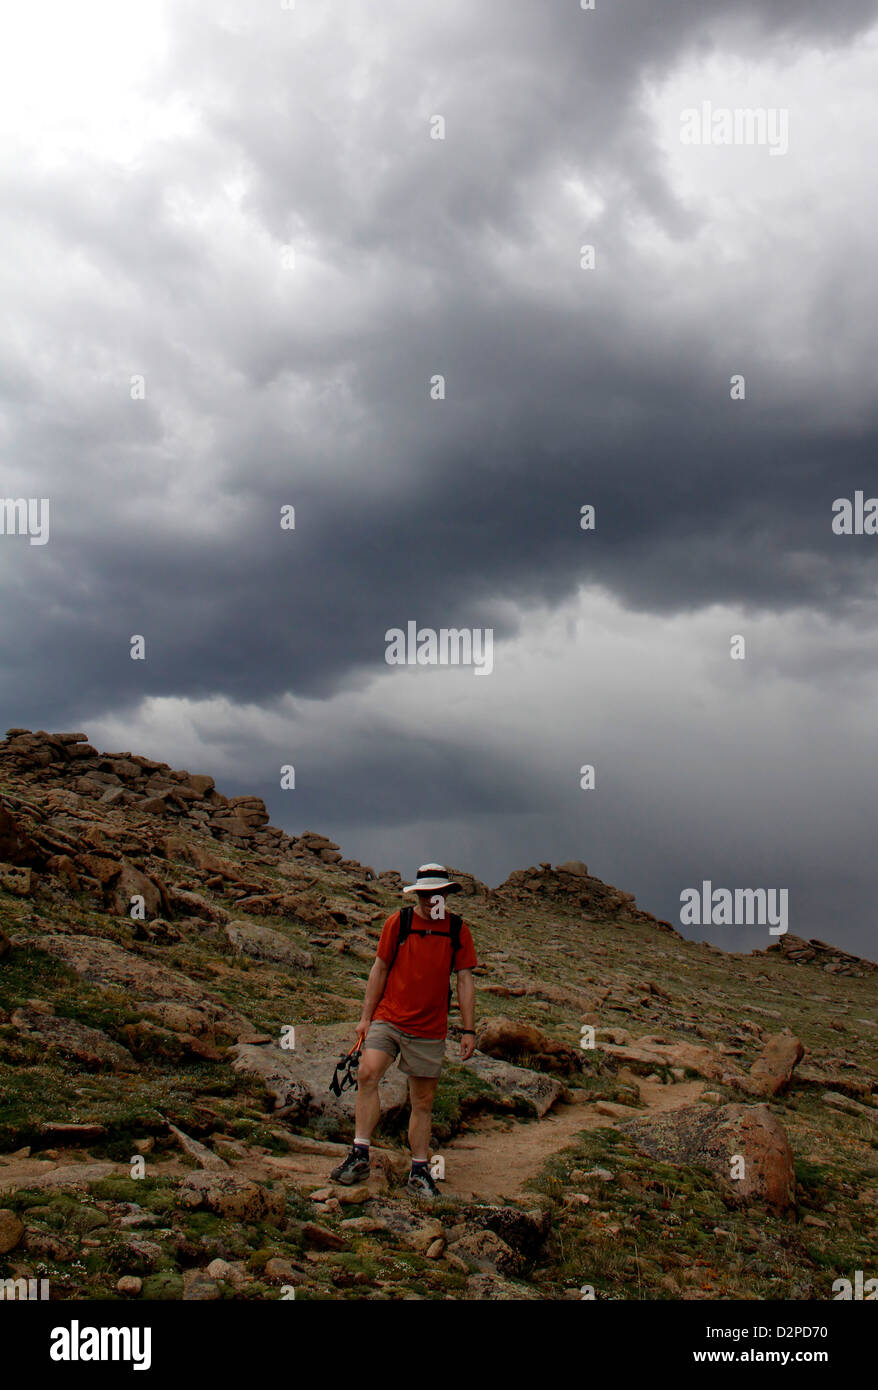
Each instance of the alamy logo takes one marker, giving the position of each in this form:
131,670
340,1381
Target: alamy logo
22,516
24,1288
857,518
449,646
741,907
75,1343
741,125
844,1288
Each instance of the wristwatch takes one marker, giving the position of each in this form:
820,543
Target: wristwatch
469,1030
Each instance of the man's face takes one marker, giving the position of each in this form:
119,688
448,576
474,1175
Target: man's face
426,903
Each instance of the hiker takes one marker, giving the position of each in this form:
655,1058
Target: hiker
405,1013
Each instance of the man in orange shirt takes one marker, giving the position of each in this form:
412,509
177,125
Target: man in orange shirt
405,1013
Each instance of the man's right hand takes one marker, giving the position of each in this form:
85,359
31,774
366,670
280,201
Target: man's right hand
363,1028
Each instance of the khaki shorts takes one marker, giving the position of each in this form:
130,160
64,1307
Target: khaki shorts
417,1056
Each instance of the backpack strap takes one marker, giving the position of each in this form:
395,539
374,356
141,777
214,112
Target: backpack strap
405,927
455,927
455,924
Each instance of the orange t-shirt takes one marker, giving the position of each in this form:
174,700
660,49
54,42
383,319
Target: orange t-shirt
415,998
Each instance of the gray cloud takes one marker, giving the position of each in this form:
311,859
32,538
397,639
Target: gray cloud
267,386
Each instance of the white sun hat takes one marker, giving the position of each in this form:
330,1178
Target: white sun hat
432,877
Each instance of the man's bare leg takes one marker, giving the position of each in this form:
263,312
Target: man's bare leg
373,1065
422,1089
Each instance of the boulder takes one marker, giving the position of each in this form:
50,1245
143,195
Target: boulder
91,1048
523,1231
298,1079
514,1040
234,1197
262,943
67,1135
517,1087
194,905
711,1137
643,1055
771,1073
17,846
180,1018
110,967
18,879
201,783
203,1156
11,1230
132,882
321,1237
488,1251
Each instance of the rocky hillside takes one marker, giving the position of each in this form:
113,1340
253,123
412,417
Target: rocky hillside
178,978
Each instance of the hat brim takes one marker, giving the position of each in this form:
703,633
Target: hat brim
433,885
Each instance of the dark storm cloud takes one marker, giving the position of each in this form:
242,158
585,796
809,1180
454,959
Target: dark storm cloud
310,128
551,403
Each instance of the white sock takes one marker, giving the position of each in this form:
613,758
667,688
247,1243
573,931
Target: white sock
362,1143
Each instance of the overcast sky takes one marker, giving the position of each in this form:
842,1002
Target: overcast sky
241,204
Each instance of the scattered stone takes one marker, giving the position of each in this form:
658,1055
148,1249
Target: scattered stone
363,1224
321,1237
351,1196
67,1134
231,1196
11,1231
202,1155
612,1110
487,1251
129,1285
283,1271
770,1074
199,1288
109,966
849,1106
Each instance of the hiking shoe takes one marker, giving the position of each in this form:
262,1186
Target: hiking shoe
355,1168
420,1184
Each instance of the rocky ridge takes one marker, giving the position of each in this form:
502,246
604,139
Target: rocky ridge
178,978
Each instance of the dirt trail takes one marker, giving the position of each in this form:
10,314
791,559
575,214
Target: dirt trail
493,1158
496,1158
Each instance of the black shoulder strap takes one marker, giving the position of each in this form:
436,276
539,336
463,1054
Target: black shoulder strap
455,924
405,926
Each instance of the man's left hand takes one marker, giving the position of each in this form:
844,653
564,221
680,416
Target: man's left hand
467,1046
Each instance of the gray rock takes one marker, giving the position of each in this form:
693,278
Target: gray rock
710,1137
109,966
299,1079
265,944
517,1085
88,1046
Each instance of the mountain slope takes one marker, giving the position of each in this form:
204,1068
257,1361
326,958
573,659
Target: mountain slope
164,1037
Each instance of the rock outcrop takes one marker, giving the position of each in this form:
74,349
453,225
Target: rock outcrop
831,959
573,884
744,1146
